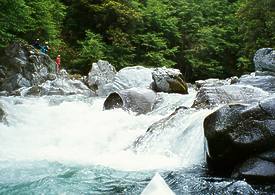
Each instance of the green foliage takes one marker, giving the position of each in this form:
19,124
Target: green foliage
47,17
203,38
257,27
92,50
14,19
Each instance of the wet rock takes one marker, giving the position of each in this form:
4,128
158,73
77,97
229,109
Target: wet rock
138,100
236,132
4,93
209,97
100,74
256,170
157,128
265,82
2,115
169,80
264,60
268,155
212,83
15,82
130,77
60,86
23,66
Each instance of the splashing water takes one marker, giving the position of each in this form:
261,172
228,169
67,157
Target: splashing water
60,144
78,131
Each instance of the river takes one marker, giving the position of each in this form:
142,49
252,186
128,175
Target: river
70,145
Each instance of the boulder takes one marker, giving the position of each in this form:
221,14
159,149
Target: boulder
59,86
130,77
100,74
179,134
236,132
23,66
139,100
256,170
169,80
268,155
262,81
209,97
264,60
213,82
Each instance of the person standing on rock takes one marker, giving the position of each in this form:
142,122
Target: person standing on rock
45,48
58,65
36,44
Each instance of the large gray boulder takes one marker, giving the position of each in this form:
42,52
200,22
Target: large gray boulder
169,80
100,74
237,132
21,65
139,100
209,97
264,60
130,77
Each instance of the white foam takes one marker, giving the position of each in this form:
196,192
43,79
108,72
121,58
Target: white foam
77,131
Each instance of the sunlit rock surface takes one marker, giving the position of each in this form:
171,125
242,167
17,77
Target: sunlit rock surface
209,97
264,82
59,86
169,80
100,74
139,100
130,77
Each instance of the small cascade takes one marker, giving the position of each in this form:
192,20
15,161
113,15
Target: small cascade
76,129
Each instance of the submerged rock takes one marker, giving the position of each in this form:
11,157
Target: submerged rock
100,74
23,66
209,97
264,60
236,132
138,100
169,80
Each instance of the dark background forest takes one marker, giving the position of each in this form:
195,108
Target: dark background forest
202,38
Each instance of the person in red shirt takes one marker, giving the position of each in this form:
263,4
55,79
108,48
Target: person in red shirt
58,65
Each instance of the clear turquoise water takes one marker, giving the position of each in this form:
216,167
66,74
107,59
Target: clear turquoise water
44,177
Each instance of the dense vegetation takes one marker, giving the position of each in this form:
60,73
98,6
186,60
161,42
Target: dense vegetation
203,38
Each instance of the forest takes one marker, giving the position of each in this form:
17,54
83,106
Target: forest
202,38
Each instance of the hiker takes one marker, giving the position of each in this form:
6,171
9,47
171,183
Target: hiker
58,65
45,48
36,44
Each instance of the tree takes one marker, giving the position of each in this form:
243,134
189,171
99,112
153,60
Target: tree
15,17
257,26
